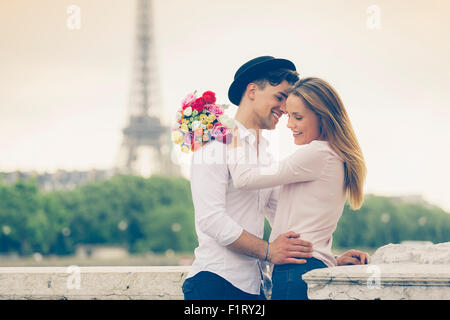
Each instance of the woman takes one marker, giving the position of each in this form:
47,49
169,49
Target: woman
316,180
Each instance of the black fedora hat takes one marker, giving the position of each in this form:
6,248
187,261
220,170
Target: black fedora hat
251,70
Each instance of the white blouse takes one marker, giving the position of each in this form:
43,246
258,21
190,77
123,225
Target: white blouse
312,196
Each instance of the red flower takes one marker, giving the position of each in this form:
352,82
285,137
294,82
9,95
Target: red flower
198,104
209,97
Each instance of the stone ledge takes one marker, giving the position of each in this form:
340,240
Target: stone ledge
92,283
396,271
382,281
388,274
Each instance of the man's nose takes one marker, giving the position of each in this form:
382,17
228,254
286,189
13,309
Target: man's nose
283,109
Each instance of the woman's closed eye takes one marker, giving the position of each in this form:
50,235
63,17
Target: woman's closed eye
296,117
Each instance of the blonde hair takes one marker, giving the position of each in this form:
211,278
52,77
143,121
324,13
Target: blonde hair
336,128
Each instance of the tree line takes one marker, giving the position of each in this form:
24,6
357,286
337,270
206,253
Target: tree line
156,214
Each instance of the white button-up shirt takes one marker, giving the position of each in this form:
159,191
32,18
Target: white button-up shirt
222,212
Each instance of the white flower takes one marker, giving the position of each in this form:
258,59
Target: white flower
196,124
179,115
187,112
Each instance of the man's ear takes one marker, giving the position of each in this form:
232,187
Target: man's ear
250,92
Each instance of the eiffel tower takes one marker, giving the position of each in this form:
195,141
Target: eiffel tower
144,131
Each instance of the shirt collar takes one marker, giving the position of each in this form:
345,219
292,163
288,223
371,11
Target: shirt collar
246,134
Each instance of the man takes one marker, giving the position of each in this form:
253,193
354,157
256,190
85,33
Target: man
230,222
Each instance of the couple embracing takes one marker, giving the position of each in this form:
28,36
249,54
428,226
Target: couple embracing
235,186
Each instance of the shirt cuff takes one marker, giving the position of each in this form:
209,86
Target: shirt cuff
231,237
221,228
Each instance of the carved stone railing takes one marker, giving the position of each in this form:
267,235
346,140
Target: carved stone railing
87,283
395,272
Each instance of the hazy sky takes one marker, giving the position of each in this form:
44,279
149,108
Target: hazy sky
64,93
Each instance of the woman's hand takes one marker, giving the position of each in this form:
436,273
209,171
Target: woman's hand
353,257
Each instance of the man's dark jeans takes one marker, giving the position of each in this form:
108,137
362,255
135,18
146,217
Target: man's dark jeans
287,282
206,285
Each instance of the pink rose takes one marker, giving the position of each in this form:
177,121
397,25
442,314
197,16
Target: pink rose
190,98
221,133
214,109
188,138
227,137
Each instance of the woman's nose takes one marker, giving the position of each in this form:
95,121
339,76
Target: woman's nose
289,124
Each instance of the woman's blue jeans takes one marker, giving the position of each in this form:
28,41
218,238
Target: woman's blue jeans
287,282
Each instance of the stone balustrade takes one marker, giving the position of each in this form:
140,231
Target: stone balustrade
89,283
394,272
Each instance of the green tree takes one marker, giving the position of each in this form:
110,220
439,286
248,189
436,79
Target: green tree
157,214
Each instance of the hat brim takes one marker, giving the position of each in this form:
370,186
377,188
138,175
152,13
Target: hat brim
252,73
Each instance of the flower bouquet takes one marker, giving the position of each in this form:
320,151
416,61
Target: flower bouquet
201,120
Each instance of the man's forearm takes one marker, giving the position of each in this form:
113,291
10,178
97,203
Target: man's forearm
249,245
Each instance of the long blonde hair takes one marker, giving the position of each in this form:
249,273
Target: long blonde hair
336,128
